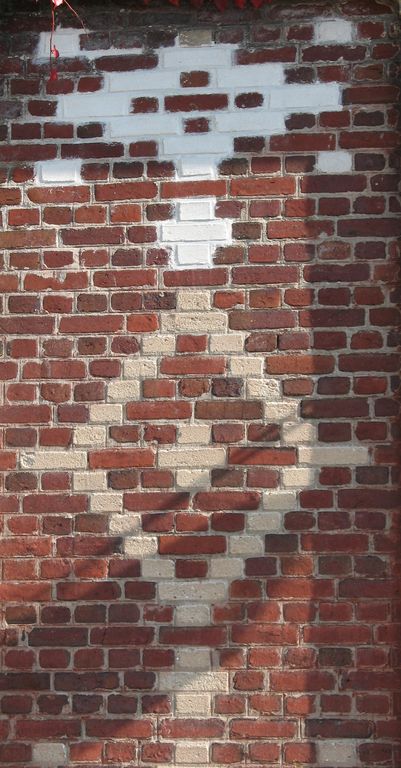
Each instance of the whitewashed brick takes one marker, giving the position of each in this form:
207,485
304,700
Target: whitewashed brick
196,457
190,704
246,366
53,460
58,172
73,106
251,76
196,210
99,413
339,455
244,544
297,477
341,753
199,166
152,80
119,391
265,521
124,525
194,681
333,31
140,125
192,479
68,44
158,569
285,501
89,481
194,231
206,56
192,255
191,658
306,97
199,591
156,345
87,435
191,752
141,369
334,162
193,322
193,433
299,432
140,546
215,145
106,502
193,300
233,342
266,389
192,615
50,754
226,568
243,121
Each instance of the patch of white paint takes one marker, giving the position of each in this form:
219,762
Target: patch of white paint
338,161
333,31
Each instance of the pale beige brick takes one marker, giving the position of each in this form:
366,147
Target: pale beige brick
139,369
199,591
193,300
339,455
106,502
53,460
246,366
89,481
339,752
108,414
191,752
193,681
266,389
158,569
192,479
87,435
192,615
285,501
119,391
158,345
298,477
196,457
195,37
140,546
244,544
265,521
193,322
124,525
299,432
226,568
192,704
50,754
232,342
280,411
191,658
194,433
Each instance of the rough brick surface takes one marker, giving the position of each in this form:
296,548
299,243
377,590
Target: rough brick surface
199,448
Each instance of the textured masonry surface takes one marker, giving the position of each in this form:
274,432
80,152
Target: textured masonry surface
200,491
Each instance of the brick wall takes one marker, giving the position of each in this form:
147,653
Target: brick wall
200,450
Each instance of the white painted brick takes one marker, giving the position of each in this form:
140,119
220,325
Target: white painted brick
285,501
73,106
334,162
58,172
202,143
202,57
198,166
194,231
141,369
89,481
192,255
124,525
196,210
106,502
141,126
251,76
67,44
333,31
50,754
281,411
266,389
191,752
191,658
264,521
140,546
306,97
87,435
192,615
193,434
297,477
193,300
53,459
243,121
193,681
193,322
232,342
119,391
246,366
246,545
156,345
339,455
187,704
193,479
152,80
299,432
226,568
99,413
341,753
158,569
200,591
196,457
